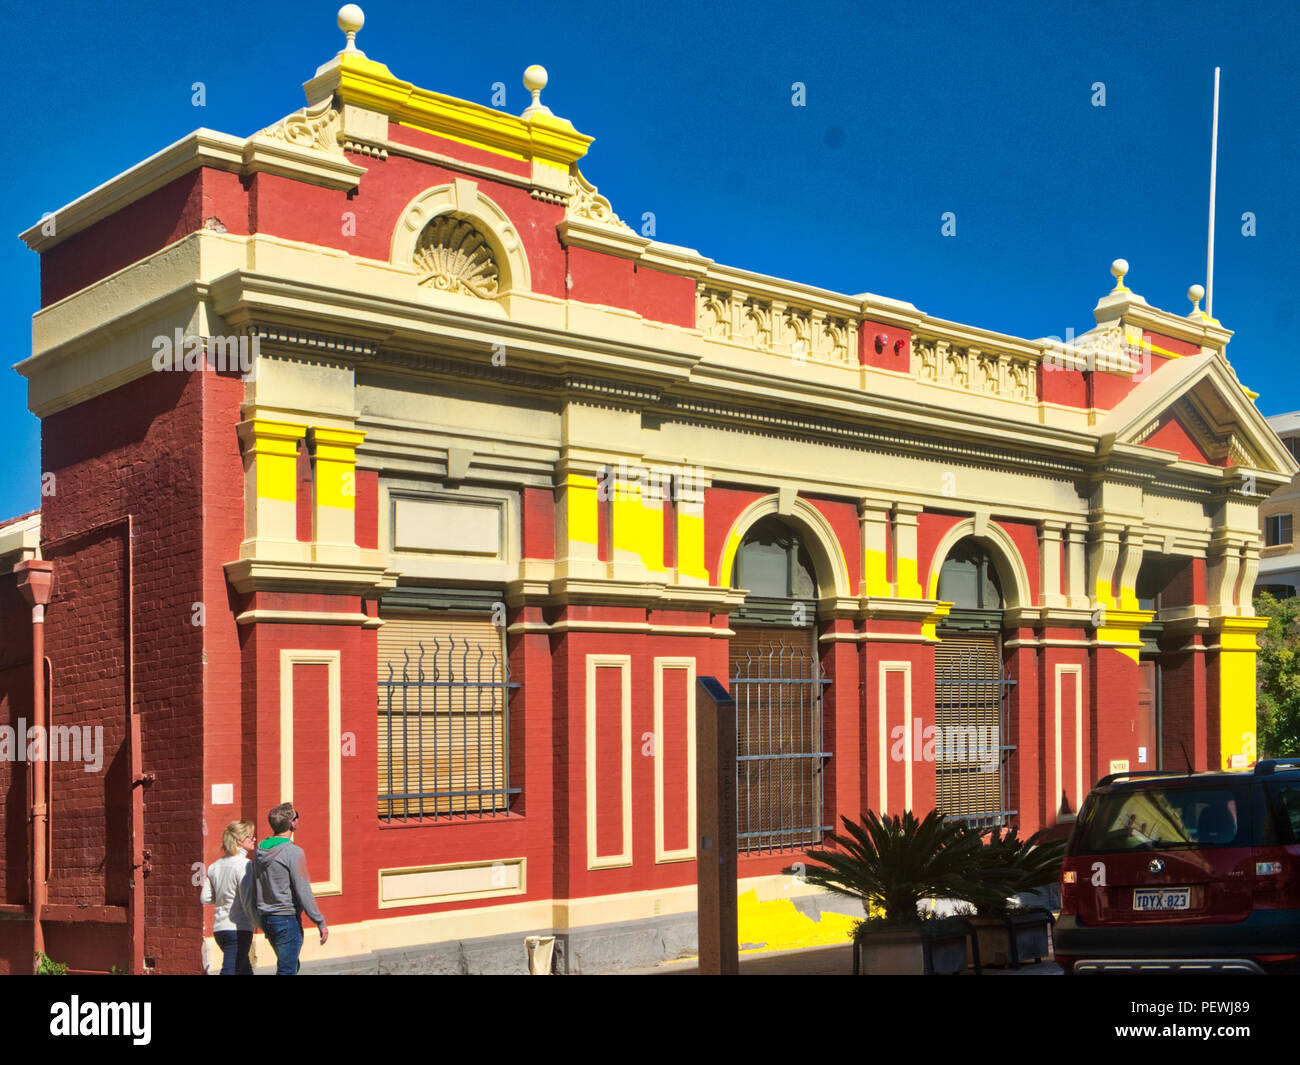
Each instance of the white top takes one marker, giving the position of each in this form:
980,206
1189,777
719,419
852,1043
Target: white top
222,889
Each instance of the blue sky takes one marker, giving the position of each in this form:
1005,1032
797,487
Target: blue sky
912,110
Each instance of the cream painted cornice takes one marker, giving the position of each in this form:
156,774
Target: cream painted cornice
273,575
306,617
20,540
1048,617
202,148
624,243
243,298
611,592
884,609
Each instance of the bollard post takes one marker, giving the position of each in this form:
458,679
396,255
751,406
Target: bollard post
715,828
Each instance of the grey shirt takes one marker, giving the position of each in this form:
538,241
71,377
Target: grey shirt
280,883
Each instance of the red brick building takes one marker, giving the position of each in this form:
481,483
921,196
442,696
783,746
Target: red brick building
388,471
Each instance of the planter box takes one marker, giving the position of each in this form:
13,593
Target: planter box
938,947
1014,939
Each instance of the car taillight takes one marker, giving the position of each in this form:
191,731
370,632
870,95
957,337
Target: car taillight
1276,881
1069,883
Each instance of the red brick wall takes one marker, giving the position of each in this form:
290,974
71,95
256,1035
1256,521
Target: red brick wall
1183,707
1114,710
15,703
843,518
931,527
141,228
1025,729
133,451
367,519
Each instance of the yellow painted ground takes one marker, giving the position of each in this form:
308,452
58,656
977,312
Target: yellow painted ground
778,925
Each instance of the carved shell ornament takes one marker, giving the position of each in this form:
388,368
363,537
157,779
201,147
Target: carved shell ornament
453,256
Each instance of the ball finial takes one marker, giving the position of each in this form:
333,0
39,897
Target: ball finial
351,19
535,79
1118,269
1196,293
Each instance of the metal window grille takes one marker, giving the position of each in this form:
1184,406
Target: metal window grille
780,759
444,731
972,756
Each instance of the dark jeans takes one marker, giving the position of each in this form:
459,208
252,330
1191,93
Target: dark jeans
285,936
234,952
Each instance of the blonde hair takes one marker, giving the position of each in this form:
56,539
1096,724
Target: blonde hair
235,831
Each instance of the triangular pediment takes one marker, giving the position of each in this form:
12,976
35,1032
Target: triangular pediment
1196,407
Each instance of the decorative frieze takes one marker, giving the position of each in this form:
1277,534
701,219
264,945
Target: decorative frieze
799,330
991,373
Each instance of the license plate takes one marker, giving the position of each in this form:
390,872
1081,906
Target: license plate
1154,900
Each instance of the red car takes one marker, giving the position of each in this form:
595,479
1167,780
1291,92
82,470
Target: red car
1184,872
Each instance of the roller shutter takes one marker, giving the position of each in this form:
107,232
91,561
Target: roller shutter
443,728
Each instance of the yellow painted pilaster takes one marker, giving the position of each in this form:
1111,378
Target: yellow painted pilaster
1049,571
270,478
873,517
691,566
907,584
637,526
1237,649
577,526
334,483
1121,629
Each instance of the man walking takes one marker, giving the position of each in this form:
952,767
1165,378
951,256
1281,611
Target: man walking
282,890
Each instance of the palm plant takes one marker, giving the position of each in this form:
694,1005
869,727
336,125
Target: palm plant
895,862
1008,865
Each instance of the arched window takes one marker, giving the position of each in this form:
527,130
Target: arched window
777,683
773,563
969,580
971,692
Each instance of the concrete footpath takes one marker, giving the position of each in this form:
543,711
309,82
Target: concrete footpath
811,961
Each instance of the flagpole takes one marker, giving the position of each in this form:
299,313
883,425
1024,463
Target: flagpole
1214,166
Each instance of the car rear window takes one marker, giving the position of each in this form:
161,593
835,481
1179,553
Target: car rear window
1285,801
1163,817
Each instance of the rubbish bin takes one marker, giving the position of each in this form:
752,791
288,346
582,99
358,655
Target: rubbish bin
541,949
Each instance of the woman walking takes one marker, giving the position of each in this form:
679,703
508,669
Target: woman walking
228,887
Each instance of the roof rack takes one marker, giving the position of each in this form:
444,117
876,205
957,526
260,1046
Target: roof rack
1110,778
1272,765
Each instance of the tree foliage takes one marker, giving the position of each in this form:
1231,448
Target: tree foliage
1278,677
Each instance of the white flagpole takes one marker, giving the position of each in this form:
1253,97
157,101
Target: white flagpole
1214,166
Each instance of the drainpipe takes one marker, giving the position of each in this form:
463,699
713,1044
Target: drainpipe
36,581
